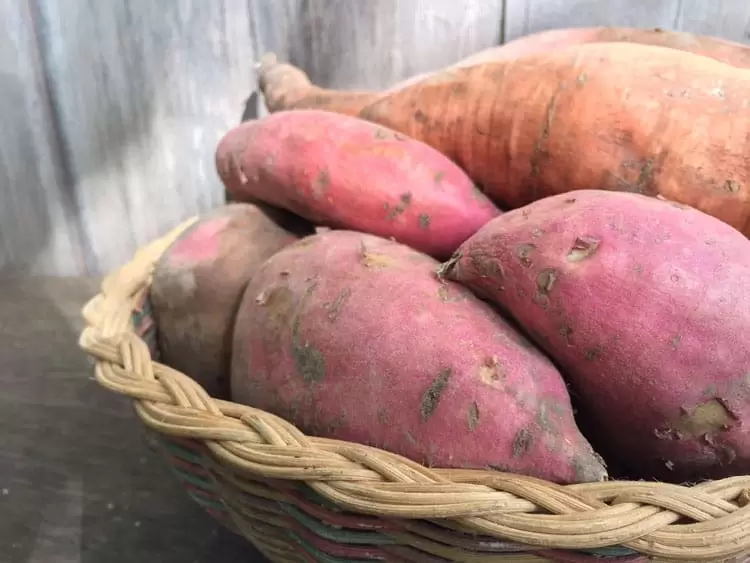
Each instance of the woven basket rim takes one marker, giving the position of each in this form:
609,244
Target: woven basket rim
705,522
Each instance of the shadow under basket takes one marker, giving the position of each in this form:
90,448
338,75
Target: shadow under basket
303,498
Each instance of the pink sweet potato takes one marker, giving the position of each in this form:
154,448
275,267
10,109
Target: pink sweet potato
198,283
644,305
347,173
353,337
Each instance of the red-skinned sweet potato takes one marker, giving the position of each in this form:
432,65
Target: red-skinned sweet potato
198,283
351,336
348,173
644,305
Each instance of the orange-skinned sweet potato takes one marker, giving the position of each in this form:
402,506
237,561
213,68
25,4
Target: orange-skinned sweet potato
199,280
288,87
644,305
353,337
348,173
615,116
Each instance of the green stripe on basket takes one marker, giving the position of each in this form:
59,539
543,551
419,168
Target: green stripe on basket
615,551
138,316
183,453
194,480
335,534
315,498
322,557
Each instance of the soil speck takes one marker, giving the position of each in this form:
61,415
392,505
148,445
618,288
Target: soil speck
308,360
524,252
321,184
383,417
593,354
522,442
334,308
545,281
396,210
473,416
434,393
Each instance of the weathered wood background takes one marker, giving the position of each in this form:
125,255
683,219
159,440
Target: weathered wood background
111,110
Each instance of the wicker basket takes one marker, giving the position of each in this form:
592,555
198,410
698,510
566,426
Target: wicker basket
300,498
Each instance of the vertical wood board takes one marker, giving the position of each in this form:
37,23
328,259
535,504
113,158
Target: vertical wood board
38,230
145,90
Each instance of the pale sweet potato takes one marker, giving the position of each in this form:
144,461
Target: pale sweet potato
644,305
615,116
198,283
353,337
347,173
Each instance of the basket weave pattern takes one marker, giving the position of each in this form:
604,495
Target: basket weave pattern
303,498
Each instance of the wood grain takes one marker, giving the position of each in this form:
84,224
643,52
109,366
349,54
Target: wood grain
38,227
372,44
79,481
144,90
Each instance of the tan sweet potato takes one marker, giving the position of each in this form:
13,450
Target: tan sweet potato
348,173
353,337
199,280
644,305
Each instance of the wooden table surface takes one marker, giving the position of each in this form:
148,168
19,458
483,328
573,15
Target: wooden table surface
78,480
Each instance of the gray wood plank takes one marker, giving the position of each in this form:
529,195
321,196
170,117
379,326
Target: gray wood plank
273,22
79,480
528,16
144,90
374,43
38,226
729,19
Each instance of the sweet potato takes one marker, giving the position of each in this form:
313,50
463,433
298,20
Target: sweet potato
644,306
353,337
288,87
613,116
730,52
198,283
347,173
